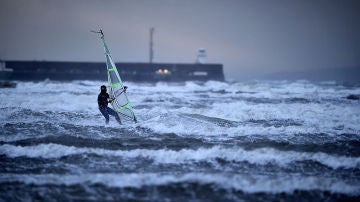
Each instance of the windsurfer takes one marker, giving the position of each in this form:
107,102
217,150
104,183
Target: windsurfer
103,100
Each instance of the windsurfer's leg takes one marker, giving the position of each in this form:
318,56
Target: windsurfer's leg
114,113
105,113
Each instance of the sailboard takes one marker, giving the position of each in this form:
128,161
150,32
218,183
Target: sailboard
120,101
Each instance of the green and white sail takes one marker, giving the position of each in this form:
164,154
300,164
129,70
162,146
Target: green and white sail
120,103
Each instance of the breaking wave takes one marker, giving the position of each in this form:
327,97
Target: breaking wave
164,156
246,183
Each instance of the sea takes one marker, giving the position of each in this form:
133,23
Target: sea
194,141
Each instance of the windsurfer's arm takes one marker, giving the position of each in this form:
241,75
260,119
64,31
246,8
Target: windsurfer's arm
99,100
110,99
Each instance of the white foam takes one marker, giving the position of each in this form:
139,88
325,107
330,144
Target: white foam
168,101
238,182
310,119
260,156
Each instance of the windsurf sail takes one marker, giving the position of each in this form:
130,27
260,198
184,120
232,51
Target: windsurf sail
120,101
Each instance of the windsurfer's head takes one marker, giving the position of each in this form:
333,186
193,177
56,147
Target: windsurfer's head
103,89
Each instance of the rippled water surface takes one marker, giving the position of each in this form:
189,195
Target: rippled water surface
194,141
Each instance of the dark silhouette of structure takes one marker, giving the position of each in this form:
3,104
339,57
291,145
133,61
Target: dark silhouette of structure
148,72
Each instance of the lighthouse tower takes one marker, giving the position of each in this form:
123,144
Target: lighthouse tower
201,57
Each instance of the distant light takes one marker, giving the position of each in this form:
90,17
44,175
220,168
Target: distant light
163,71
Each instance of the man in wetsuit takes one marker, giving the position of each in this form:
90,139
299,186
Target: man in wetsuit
103,100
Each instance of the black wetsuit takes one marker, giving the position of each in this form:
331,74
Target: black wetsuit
104,109
103,99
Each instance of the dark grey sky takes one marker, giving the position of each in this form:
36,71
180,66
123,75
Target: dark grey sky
251,38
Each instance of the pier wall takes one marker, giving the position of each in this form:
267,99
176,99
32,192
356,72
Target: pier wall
40,70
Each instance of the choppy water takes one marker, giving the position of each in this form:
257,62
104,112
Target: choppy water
210,141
